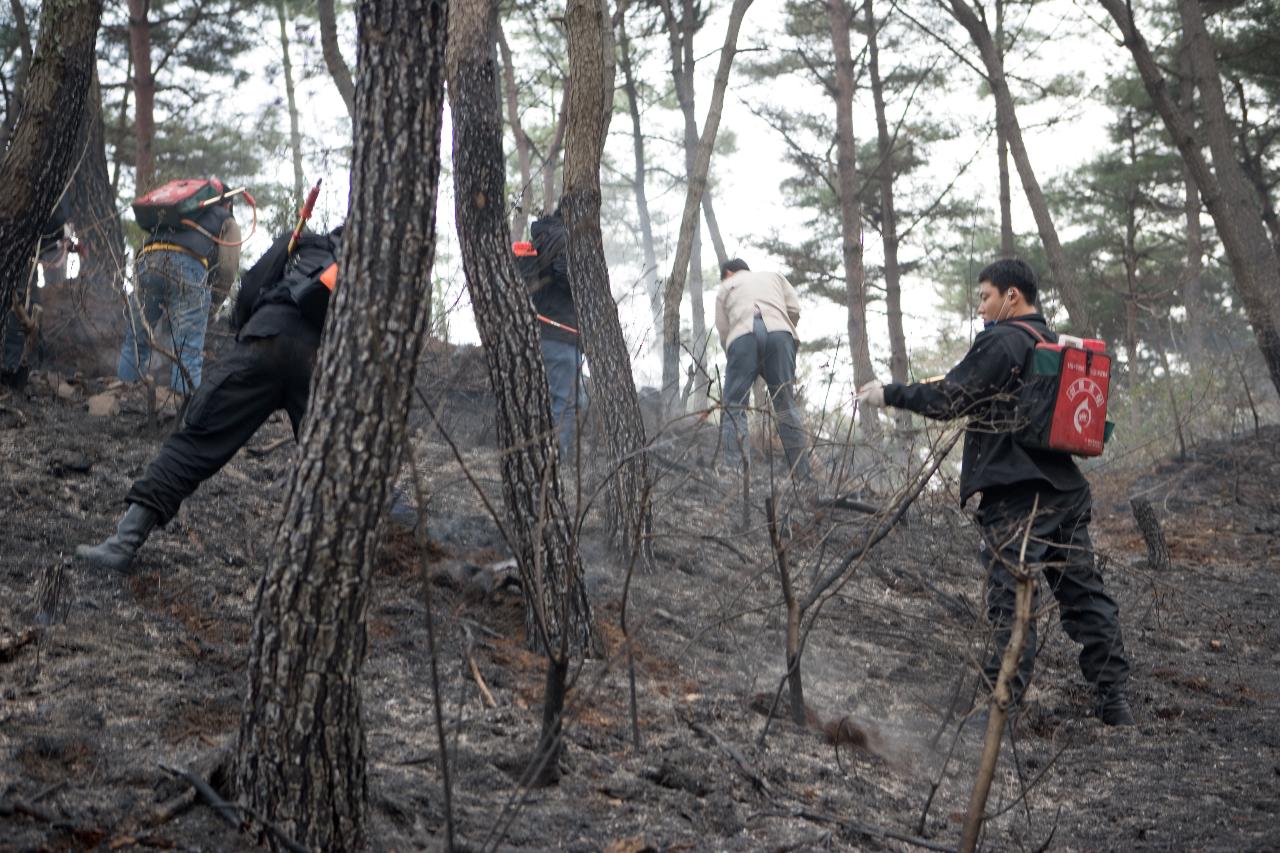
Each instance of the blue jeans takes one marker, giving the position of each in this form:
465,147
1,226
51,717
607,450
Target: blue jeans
563,363
171,283
773,356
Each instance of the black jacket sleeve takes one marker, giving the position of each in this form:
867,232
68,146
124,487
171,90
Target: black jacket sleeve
982,375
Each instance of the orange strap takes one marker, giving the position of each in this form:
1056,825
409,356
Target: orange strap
329,278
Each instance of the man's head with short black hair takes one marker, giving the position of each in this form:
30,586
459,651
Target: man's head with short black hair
1011,272
732,266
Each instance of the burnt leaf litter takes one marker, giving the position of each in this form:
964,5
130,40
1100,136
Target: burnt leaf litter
104,678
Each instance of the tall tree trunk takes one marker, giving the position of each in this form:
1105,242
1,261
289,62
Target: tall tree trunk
539,523
1063,278
1254,166
838,14
680,35
713,229
589,110
889,216
42,150
519,216
1129,255
1226,193
301,743
82,316
1192,284
22,34
144,97
1007,246
692,205
650,273
295,136
552,159
337,66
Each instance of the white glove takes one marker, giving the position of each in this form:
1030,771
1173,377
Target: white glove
871,394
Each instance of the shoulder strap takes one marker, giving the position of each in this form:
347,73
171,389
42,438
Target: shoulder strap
1026,327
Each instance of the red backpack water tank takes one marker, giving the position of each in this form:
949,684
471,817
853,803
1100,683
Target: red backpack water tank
1062,404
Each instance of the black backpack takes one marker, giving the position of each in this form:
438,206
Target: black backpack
304,279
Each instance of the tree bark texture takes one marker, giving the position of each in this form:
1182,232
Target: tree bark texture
840,19
889,216
1006,114
589,110
550,571
301,742
82,322
337,66
519,216
693,201
42,150
144,97
1152,534
295,136
22,34
1192,283
650,273
1224,189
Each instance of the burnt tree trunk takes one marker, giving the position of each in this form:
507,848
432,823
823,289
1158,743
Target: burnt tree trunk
82,321
1006,114
693,202
333,56
1226,192
519,216
589,109
650,273
889,216
1152,534
295,135
301,743
539,522
144,97
855,278
42,149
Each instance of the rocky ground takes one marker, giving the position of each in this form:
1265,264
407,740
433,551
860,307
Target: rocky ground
105,680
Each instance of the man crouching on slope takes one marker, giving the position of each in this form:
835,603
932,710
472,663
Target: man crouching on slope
983,387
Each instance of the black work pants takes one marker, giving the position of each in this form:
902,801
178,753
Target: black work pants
1060,549
773,356
260,376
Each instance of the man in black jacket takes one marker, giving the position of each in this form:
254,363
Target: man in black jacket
557,325
269,368
983,388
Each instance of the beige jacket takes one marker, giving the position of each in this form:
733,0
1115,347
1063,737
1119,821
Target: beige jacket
744,293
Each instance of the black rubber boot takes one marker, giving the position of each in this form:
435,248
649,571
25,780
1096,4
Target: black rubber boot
117,551
1113,709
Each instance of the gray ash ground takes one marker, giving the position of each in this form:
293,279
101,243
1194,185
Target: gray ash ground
135,672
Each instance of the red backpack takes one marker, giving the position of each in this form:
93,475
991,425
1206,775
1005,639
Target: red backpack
1062,404
169,204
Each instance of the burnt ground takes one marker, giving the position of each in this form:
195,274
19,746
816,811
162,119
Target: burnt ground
128,673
